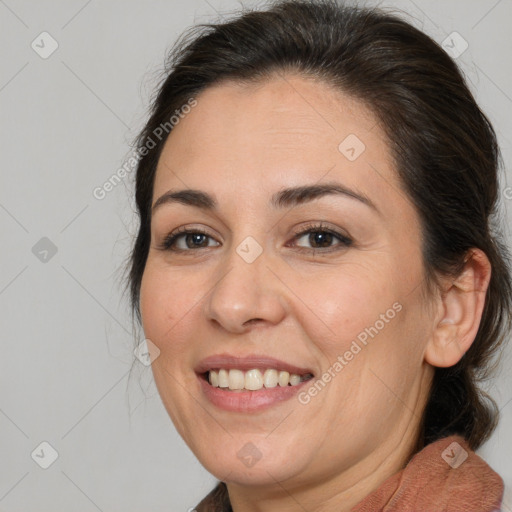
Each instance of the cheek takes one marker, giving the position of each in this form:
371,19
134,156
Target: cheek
167,302
167,309
344,303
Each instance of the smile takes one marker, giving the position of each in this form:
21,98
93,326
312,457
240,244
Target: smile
249,383
254,379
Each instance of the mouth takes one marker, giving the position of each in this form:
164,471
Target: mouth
250,383
237,380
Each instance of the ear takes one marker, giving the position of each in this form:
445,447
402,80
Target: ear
460,310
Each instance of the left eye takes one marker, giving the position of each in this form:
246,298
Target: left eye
320,239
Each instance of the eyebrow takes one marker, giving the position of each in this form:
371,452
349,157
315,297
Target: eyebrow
287,197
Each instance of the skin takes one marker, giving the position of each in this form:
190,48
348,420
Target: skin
241,144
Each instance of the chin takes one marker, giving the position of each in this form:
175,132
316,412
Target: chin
258,477
252,467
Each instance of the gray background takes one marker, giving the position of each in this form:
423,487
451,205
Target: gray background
67,346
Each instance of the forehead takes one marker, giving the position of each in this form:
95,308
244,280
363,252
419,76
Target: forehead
286,131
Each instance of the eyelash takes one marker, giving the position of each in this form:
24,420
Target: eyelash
345,242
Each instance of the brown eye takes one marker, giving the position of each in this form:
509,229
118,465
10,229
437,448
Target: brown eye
186,240
320,239
314,238
196,240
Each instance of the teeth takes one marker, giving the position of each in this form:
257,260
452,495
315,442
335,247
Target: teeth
270,378
213,377
236,379
294,379
223,379
284,378
253,380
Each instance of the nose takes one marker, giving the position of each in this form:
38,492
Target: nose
245,294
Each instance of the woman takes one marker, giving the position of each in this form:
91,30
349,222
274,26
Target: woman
316,267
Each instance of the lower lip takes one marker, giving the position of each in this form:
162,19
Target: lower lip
249,401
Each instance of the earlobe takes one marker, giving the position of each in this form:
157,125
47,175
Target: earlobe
461,305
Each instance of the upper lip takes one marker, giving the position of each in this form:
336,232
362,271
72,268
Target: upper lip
249,362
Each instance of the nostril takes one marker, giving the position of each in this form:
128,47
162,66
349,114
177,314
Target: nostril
253,320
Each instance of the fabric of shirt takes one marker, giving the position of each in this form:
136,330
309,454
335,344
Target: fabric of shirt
446,476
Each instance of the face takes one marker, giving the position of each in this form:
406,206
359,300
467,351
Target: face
325,282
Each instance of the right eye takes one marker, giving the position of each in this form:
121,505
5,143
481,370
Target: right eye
186,239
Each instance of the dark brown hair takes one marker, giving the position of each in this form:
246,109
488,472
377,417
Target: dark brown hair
444,149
